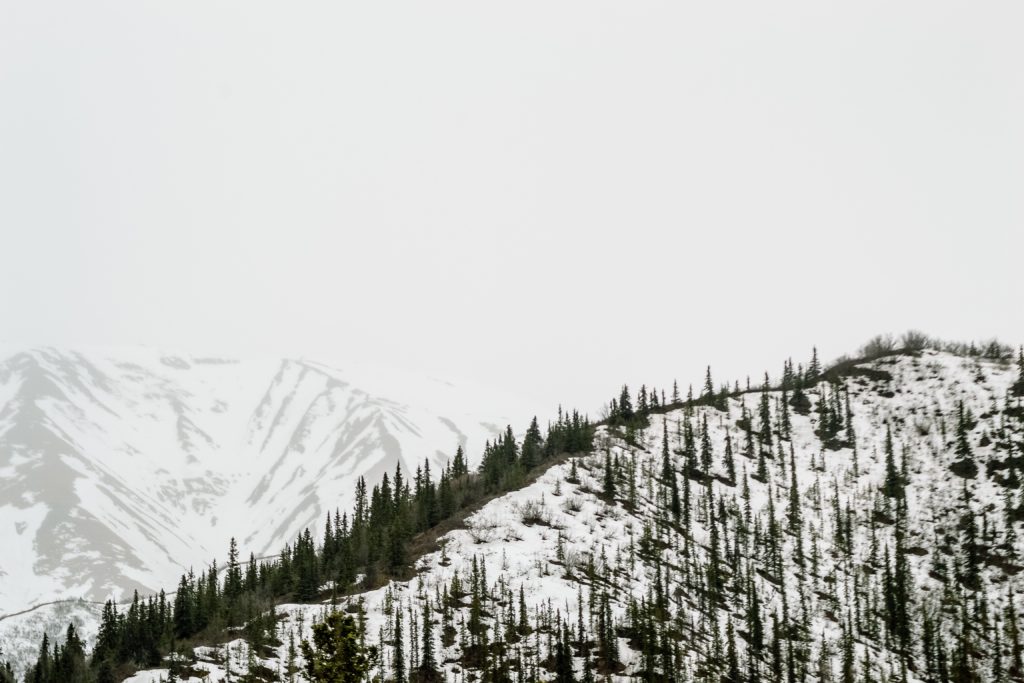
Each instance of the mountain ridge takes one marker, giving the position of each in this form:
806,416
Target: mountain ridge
135,450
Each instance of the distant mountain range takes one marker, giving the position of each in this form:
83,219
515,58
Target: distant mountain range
121,468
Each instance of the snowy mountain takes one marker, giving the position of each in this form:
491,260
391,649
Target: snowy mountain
789,564
560,540
860,526
120,469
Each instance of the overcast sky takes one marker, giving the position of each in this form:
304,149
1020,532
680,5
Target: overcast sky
548,197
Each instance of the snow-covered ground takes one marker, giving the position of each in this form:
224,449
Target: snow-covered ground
540,538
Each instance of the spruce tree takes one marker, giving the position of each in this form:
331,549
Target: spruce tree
732,659
765,417
532,448
706,455
729,463
232,581
428,664
814,368
337,654
459,467
625,405
963,446
608,487
563,658
398,654
668,474
893,486
793,512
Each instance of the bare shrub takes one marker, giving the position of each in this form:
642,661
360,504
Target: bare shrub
480,536
879,345
482,531
573,504
534,512
991,349
914,340
571,560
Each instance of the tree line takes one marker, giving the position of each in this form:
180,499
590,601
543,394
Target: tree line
373,543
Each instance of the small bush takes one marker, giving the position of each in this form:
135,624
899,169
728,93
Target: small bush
879,345
482,530
914,340
572,560
573,504
481,536
534,512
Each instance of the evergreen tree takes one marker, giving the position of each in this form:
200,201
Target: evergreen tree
608,487
69,663
428,664
668,474
625,406
706,455
459,467
793,512
731,658
893,481
232,581
533,446
965,465
729,463
398,656
814,368
337,654
563,659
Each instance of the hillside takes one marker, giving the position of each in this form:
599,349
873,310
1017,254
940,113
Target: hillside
796,577
859,525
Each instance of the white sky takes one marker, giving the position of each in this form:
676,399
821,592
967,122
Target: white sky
547,197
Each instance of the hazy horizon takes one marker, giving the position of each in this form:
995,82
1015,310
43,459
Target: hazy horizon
550,200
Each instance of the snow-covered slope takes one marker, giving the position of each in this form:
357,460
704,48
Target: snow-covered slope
120,469
559,540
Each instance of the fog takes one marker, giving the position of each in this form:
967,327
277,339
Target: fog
550,198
